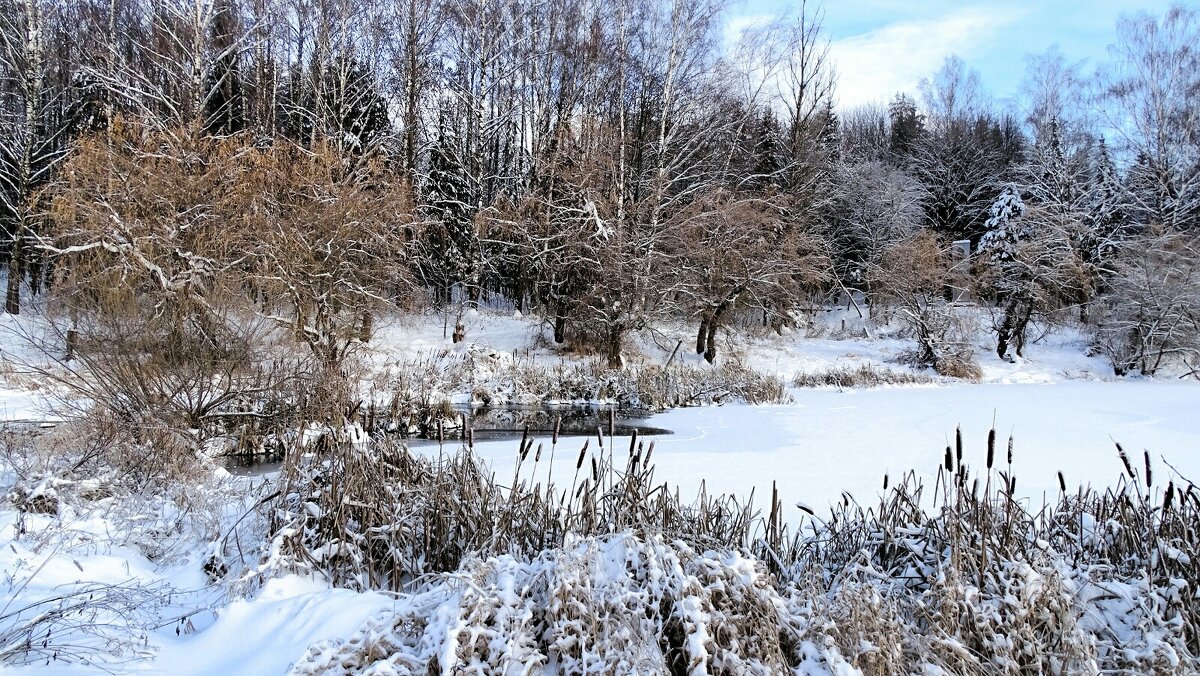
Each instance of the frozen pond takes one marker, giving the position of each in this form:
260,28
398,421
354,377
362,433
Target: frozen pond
828,442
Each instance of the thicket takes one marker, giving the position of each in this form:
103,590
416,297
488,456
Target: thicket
614,571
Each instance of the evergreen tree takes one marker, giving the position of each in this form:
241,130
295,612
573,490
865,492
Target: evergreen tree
768,160
1054,184
451,204
829,139
1108,219
1004,228
223,104
907,125
358,111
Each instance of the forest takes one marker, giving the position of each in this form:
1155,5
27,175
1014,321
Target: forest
603,165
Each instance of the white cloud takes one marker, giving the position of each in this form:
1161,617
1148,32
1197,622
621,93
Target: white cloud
874,66
738,24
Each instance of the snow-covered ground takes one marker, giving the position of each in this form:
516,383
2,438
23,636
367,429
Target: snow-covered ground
1061,406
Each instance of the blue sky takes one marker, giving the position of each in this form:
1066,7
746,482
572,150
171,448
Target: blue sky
885,46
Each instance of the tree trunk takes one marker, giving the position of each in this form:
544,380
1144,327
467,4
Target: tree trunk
560,327
710,353
1012,329
702,336
72,344
616,337
368,325
714,322
1004,333
12,302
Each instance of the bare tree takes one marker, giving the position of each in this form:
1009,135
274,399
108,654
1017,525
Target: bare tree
1150,96
32,141
1151,315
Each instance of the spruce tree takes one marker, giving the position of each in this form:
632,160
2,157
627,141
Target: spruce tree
451,204
768,163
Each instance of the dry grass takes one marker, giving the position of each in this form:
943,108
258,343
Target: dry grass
861,376
955,576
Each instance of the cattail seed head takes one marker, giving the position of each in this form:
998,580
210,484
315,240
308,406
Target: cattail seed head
958,446
1062,482
1125,461
1149,473
582,453
991,453
949,461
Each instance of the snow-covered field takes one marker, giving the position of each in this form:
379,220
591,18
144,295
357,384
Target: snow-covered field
1060,406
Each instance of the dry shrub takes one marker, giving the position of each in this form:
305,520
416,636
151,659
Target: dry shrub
863,375
961,365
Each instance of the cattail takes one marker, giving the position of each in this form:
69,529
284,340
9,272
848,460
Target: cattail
582,453
1170,495
1149,474
949,461
557,428
441,432
1012,486
632,441
804,508
524,436
1125,461
525,446
595,470
1010,449
1062,483
537,457
600,437
991,447
958,447
885,481
649,452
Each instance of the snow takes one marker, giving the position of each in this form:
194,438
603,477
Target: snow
285,617
1061,406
